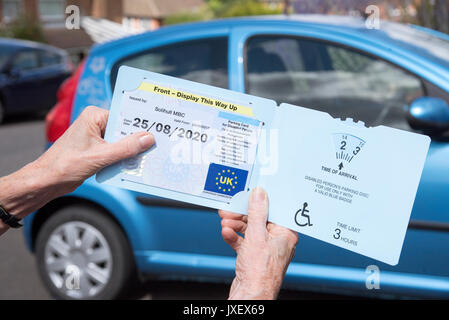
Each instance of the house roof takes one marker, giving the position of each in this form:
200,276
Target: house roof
158,8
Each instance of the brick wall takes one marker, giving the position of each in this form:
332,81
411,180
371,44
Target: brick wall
107,9
31,7
84,5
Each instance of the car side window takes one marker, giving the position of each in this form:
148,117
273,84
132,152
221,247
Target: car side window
204,61
25,61
49,59
323,76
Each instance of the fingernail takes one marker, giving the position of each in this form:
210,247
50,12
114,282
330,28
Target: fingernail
146,141
258,195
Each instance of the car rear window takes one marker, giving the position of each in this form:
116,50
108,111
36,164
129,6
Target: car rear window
26,60
50,58
204,61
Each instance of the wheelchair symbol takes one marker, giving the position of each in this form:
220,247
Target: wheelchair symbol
303,214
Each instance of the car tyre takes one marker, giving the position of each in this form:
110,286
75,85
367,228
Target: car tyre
2,112
83,254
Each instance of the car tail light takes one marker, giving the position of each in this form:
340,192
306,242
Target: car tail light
58,119
69,65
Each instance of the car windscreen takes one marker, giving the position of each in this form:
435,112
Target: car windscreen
5,53
430,45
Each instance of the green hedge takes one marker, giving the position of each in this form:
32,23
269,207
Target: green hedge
23,28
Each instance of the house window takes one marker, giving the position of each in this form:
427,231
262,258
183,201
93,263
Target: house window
50,10
11,9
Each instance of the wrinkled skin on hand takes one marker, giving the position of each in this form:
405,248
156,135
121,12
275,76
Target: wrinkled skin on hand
263,254
78,154
81,151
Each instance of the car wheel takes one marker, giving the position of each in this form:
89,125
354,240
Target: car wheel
2,112
83,254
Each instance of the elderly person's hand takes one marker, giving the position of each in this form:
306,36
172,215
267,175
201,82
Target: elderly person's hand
264,253
81,151
78,154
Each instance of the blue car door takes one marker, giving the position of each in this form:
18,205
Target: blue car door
347,83
202,60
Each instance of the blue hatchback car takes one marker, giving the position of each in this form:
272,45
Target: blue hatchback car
94,242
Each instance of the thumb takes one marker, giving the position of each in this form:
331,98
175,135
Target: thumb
127,147
257,212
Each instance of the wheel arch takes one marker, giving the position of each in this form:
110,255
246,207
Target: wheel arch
47,211
3,99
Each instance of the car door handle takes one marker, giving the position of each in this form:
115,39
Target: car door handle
429,225
158,202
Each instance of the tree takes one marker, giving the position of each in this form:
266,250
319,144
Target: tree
433,14
225,8
23,28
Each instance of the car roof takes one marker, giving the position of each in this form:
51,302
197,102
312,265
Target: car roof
416,40
242,21
25,44
337,23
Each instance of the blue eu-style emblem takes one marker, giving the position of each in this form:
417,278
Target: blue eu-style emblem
225,180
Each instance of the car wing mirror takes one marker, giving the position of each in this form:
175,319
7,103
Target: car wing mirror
428,114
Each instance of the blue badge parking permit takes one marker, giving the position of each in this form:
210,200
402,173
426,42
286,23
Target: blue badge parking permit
205,142
331,179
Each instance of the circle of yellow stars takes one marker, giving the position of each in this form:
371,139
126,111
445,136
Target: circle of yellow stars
224,171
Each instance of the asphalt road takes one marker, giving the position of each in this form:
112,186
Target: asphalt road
22,140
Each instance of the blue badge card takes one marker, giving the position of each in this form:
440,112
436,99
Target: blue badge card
337,181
